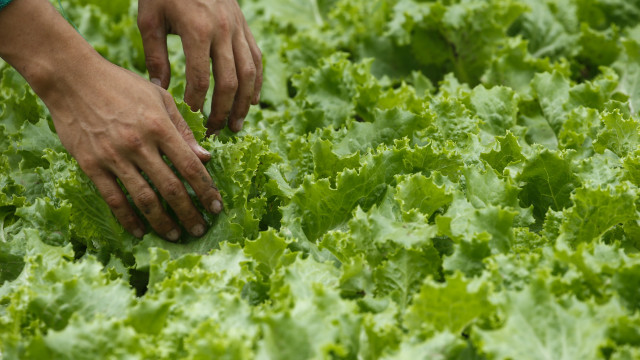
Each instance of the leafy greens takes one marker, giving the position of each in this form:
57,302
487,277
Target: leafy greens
453,179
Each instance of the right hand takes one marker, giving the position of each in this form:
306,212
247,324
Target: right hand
209,29
116,124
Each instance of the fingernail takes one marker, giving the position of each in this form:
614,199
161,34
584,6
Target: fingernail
197,230
156,81
138,233
238,124
173,235
203,151
216,206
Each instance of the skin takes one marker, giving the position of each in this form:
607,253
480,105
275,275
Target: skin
117,124
209,29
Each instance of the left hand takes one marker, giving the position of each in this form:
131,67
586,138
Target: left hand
209,29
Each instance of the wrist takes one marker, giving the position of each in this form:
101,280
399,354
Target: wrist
42,46
50,76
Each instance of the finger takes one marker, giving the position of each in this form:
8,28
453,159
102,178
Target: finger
226,83
194,172
118,203
257,60
197,57
183,129
154,41
246,71
174,192
147,201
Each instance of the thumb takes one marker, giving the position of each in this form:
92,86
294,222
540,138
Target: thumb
184,129
154,42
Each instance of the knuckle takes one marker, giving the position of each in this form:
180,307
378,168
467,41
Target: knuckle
223,26
131,142
172,189
200,83
145,200
129,219
154,63
114,201
229,83
157,127
90,166
248,72
258,56
147,23
259,81
192,167
202,30
107,160
160,132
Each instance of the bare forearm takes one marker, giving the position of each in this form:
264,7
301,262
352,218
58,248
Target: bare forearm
41,45
112,121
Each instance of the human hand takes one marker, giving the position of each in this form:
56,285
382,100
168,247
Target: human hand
117,124
209,29
113,122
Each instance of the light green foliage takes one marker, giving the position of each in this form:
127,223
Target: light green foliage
552,91
506,152
400,276
446,179
622,136
627,65
267,250
547,182
540,326
595,211
497,107
451,306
